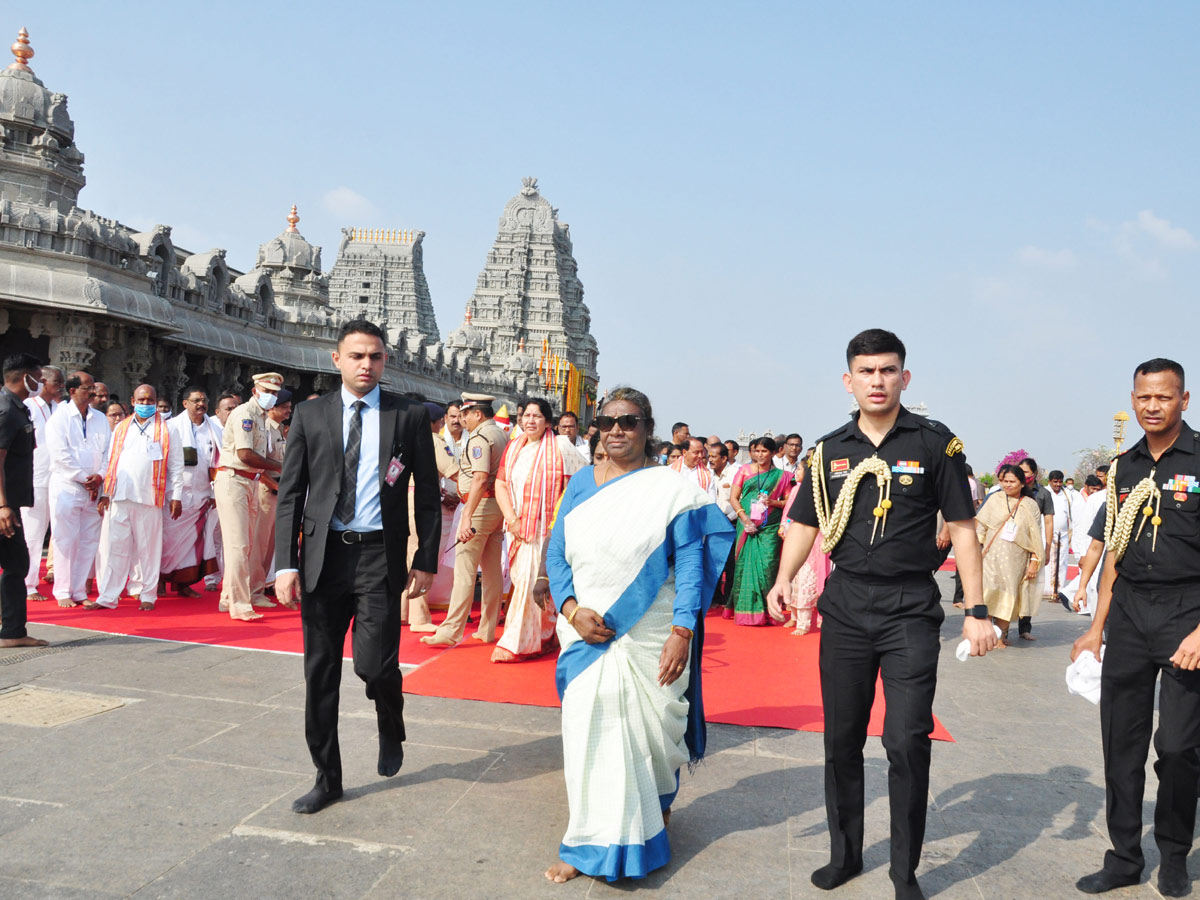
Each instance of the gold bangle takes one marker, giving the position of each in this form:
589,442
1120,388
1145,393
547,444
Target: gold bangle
571,617
685,633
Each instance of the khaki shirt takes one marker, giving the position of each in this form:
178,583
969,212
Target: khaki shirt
484,448
447,466
245,429
276,443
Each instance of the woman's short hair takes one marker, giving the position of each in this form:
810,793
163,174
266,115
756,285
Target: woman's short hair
764,441
642,402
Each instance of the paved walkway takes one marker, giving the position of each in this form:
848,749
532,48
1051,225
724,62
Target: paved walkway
185,789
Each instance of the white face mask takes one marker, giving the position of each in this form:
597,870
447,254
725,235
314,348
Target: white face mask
34,387
266,399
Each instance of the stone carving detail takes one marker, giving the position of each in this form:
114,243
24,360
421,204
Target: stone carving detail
138,358
71,343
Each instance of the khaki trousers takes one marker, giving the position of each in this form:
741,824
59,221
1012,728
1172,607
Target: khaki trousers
237,508
483,552
262,544
413,610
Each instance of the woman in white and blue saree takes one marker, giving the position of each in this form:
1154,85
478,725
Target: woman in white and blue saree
633,561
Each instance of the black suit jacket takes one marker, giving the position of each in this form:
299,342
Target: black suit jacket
312,479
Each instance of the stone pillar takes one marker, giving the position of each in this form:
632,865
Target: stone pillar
175,377
72,339
326,382
138,358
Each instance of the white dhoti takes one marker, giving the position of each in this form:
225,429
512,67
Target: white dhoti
1058,552
186,545
132,537
35,520
75,536
213,581
443,581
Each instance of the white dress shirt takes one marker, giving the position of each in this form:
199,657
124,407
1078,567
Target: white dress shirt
78,447
135,465
206,438
724,483
40,412
368,513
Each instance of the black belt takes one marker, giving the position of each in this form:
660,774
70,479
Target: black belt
360,537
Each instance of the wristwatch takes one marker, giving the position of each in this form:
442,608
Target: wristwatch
979,612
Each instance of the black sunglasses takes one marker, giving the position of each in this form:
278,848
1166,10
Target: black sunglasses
628,422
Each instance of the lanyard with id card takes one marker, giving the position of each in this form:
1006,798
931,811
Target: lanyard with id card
395,468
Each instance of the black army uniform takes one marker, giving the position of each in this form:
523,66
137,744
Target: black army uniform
882,613
17,437
1155,605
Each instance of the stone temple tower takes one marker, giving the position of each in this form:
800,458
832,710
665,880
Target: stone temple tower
380,275
529,290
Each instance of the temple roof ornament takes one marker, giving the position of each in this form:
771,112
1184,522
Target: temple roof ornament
529,185
292,219
23,52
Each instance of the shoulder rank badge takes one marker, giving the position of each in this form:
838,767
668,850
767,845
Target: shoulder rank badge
247,424
954,447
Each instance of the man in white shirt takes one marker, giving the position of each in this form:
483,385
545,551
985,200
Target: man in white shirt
226,403
189,548
454,434
77,437
144,471
1060,543
36,519
688,465
722,473
568,425
792,447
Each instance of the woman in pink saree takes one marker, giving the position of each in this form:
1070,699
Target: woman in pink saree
534,471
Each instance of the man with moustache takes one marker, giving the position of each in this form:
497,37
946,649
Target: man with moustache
1149,598
881,607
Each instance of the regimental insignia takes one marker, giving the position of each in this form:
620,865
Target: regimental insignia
954,447
1180,496
908,466
1186,484
247,424
449,452
839,465
905,479
476,452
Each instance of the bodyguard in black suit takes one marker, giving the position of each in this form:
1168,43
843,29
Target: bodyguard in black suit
340,538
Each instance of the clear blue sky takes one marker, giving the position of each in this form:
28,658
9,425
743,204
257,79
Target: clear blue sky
1011,187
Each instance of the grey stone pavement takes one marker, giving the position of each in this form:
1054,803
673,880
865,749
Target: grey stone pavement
185,789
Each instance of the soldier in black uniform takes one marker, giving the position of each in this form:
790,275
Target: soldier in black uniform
1150,597
881,607
22,373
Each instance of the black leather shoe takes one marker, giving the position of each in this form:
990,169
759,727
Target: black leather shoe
391,758
906,888
830,876
1173,879
1103,881
315,800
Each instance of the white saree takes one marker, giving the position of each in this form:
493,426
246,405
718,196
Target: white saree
645,550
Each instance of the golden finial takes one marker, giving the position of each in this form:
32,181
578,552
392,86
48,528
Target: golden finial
391,235
522,345
292,219
23,52
409,236
468,315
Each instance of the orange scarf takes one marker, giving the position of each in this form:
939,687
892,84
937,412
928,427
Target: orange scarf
161,436
543,487
705,476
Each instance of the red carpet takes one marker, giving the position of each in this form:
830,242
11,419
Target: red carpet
752,676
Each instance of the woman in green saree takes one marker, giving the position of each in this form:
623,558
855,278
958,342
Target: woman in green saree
758,493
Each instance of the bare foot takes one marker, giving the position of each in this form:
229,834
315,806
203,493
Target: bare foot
666,817
146,607
35,597
561,872
500,655
1028,637
186,591
23,642
67,604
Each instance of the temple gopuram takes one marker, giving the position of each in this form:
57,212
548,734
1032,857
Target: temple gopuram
88,292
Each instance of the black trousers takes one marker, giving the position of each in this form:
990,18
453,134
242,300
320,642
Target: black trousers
724,593
352,588
889,628
14,560
1144,631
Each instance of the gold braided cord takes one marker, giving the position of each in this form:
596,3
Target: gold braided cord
833,523
1118,526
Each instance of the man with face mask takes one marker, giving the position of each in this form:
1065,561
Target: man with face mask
244,460
42,402
143,475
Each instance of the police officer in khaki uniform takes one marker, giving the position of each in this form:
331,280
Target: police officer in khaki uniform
262,570
481,531
235,488
415,609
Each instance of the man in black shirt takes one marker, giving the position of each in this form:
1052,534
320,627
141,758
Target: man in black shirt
22,373
1150,598
882,609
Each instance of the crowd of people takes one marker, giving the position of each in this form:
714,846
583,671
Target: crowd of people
612,547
